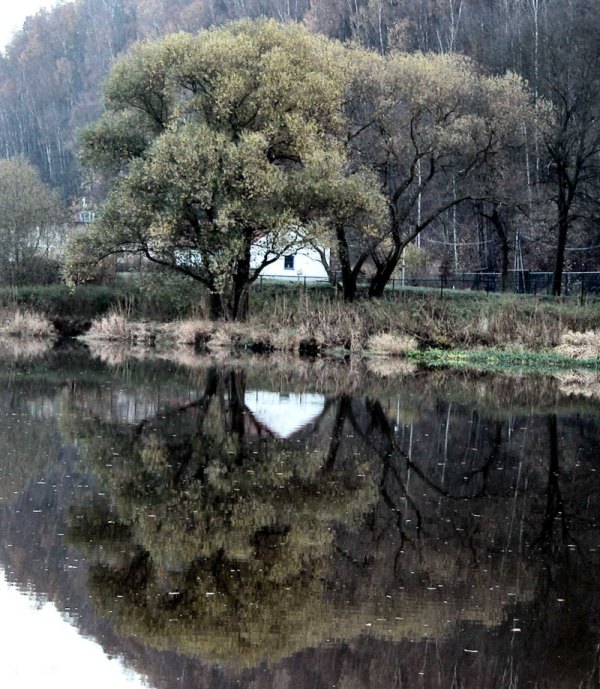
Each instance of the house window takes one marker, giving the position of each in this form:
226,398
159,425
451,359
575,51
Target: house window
288,262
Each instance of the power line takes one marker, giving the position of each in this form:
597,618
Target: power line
567,248
439,241
521,236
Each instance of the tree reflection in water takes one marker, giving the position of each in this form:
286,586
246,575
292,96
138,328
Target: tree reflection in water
221,541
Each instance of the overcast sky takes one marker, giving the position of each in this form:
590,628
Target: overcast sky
12,15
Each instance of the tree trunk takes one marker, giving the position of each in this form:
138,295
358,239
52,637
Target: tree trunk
384,272
503,236
238,309
504,278
563,229
215,306
348,275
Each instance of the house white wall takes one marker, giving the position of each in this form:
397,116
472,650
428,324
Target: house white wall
299,262
302,262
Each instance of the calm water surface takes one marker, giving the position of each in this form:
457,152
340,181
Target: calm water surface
274,525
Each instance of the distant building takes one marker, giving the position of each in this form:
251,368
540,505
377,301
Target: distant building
85,217
297,261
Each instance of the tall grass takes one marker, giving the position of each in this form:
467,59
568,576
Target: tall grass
580,345
296,320
465,319
25,323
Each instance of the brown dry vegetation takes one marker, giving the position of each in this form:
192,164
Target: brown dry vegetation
26,323
304,322
387,344
578,345
117,327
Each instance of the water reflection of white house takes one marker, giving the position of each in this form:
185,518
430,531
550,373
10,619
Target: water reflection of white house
284,413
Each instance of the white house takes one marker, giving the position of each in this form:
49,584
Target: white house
295,259
298,261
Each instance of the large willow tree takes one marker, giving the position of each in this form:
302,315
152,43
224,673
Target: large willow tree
216,140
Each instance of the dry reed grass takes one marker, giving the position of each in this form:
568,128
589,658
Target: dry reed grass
186,331
190,331
577,345
389,344
117,327
308,323
113,327
219,340
27,323
509,324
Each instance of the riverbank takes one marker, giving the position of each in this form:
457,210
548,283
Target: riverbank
460,329
464,330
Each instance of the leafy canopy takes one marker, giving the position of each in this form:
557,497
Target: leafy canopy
30,213
219,139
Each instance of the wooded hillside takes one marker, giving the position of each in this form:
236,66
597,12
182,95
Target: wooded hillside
52,72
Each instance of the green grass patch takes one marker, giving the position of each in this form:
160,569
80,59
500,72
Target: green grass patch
496,360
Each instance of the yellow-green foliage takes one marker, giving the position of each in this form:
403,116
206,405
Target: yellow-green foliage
235,134
30,213
256,129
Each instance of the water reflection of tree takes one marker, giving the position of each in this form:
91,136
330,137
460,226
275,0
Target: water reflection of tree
228,526
220,539
551,502
489,531
28,439
515,516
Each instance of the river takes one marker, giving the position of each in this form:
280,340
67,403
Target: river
278,523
